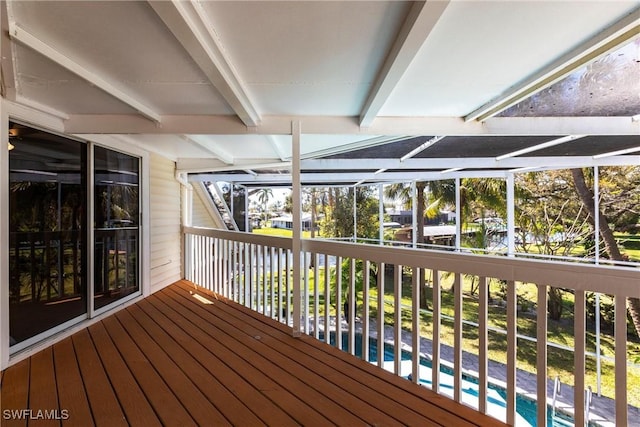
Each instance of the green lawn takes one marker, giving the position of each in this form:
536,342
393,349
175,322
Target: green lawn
281,232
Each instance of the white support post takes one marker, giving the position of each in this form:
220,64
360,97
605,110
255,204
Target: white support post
4,237
580,326
246,210
355,218
414,215
541,355
297,225
458,216
511,216
596,240
596,206
620,337
381,212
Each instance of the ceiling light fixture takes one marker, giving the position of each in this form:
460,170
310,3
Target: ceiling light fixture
537,147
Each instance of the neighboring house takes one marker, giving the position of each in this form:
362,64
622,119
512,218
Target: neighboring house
286,222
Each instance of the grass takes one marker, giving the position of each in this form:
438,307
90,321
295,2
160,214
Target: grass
279,232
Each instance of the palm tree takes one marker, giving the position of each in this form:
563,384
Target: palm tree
264,194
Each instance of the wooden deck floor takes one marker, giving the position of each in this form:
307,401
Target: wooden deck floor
176,360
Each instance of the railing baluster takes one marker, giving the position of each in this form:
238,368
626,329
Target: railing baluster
380,319
206,265
229,269
316,296
416,275
305,294
579,326
351,315
435,339
512,345
262,282
483,343
272,279
365,309
236,274
327,299
212,265
339,302
397,319
621,360
217,267
252,296
187,257
287,278
246,273
457,338
280,296
541,356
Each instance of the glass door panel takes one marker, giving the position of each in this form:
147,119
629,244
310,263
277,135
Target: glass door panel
116,226
47,225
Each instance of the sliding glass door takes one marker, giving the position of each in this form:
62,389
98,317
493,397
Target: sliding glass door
116,226
51,278
47,229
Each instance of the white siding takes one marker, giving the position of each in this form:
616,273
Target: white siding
165,238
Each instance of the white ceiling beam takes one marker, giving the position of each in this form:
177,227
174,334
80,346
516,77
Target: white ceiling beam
539,147
189,165
464,162
215,151
24,37
188,22
276,147
347,177
605,41
617,153
421,148
348,125
420,21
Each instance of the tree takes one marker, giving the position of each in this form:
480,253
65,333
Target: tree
264,194
338,219
551,221
610,243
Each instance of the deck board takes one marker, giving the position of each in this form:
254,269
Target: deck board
43,393
70,387
104,404
138,411
173,359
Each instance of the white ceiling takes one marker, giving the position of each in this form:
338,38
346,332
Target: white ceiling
216,84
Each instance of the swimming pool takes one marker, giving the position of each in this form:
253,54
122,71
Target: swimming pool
526,408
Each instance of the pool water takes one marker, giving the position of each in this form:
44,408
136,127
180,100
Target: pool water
526,408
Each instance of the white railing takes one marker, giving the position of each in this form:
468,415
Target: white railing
255,271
